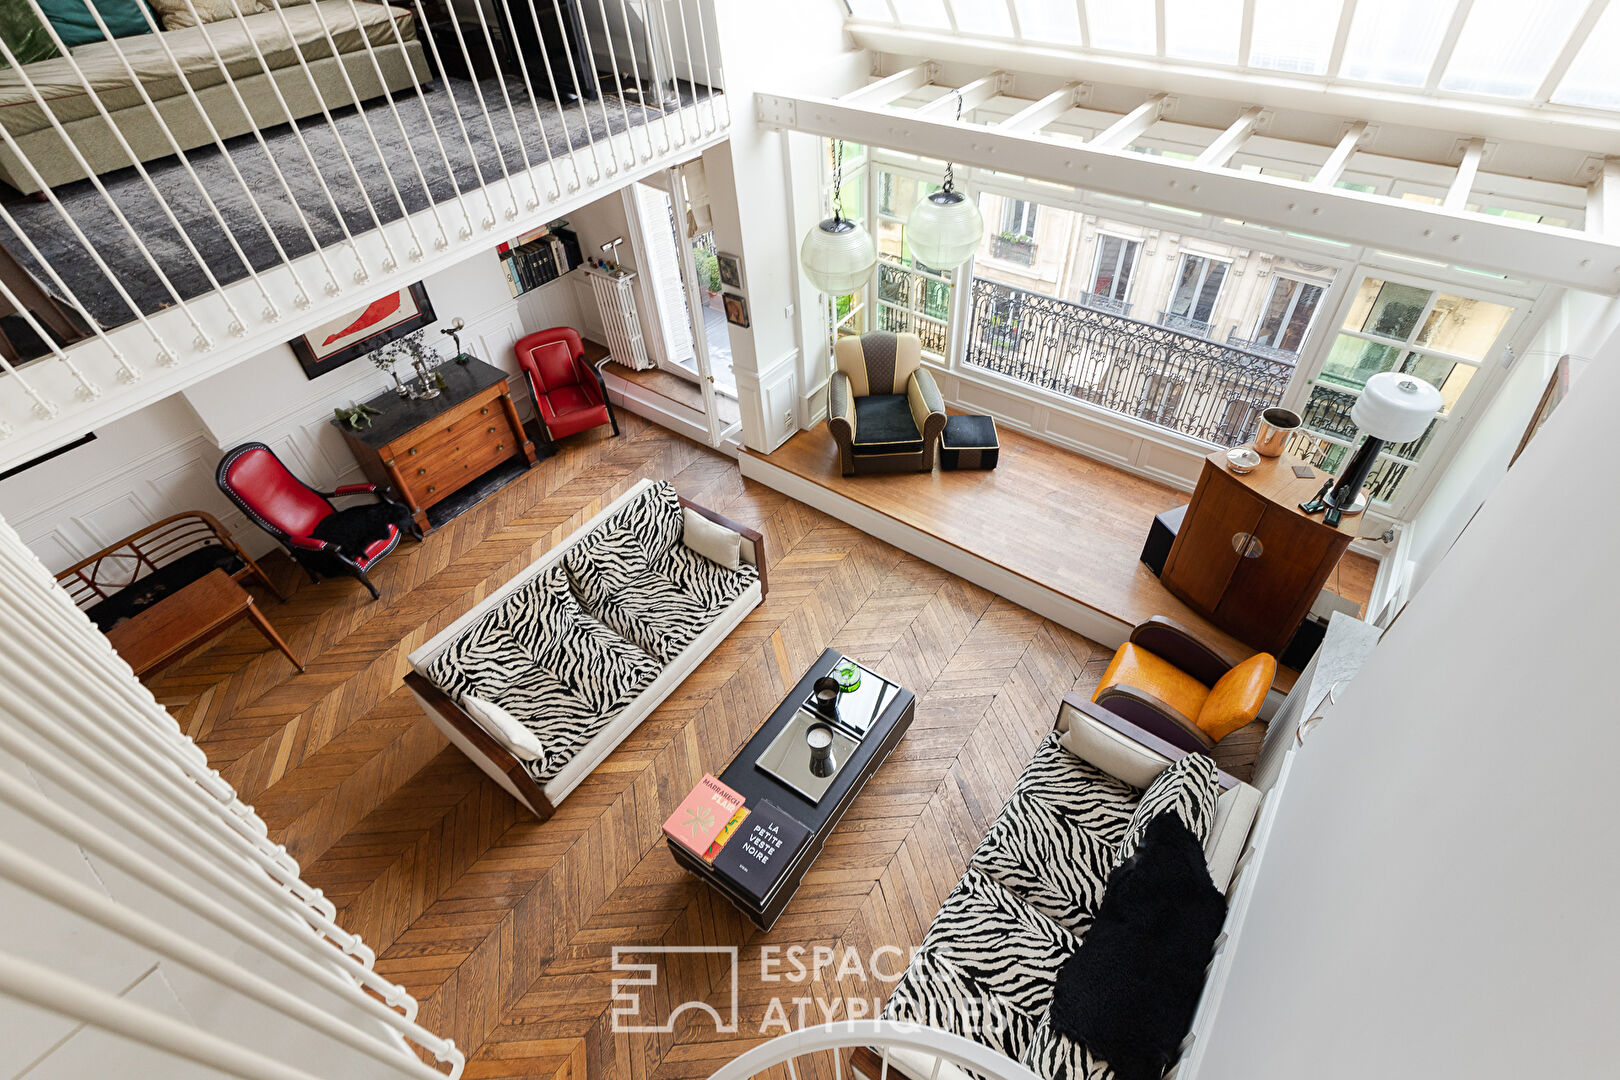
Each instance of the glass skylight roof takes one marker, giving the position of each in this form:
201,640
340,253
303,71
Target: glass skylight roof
1561,51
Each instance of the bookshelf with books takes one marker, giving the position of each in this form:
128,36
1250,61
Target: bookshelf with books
539,256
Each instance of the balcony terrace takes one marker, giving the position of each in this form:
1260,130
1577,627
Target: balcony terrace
188,197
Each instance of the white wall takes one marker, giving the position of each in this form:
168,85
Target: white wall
1437,897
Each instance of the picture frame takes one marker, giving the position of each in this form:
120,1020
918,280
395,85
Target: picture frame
363,331
730,270
736,309
1557,389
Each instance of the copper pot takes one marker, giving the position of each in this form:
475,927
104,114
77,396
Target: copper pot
1275,427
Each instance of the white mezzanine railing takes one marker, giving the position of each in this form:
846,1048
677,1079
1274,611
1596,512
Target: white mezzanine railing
204,193
177,876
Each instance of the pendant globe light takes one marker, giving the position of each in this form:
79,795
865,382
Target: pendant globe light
838,256
945,227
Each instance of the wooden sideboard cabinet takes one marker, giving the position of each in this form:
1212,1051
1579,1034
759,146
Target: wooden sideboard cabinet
428,450
1247,558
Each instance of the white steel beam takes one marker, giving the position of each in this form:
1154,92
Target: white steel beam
1333,168
1594,131
1541,252
1448,43
1467,171
1341,36
972,95
1603,202
1128,128
893,87
1246,34
1231,140
1036,115
1572,48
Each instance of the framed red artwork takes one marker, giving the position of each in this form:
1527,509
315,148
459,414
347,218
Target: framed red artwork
357,333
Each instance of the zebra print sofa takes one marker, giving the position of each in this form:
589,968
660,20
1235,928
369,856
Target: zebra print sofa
987,966
585,642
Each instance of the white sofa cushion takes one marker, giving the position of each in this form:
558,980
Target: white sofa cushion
1235,812
711,539
503,727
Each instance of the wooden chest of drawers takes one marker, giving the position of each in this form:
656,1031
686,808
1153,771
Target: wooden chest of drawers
428,450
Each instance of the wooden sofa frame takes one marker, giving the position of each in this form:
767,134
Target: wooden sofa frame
155,546
494,758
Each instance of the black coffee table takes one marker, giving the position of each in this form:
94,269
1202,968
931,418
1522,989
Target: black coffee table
891,713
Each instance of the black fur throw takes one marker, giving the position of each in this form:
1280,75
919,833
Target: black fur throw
1130,990
355,528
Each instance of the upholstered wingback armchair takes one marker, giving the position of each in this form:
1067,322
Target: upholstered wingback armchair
883,408
1173,684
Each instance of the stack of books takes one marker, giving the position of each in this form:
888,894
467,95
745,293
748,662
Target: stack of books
750,847
538,256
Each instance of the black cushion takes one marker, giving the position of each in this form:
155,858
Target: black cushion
969,432
883,425
356,528
1130,990
166,580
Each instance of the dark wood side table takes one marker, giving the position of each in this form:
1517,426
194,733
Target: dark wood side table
1247,558
186,620
820,816
427,450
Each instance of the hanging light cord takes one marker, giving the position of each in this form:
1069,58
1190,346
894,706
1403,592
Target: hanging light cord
838,178
950,169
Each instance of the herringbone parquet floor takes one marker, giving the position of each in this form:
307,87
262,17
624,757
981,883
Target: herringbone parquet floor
505,929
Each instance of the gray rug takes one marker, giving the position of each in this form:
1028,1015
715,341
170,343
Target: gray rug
494,143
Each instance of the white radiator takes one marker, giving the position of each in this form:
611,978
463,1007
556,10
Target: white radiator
616,300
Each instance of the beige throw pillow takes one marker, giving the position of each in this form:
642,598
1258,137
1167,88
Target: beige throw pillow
711,539
176,15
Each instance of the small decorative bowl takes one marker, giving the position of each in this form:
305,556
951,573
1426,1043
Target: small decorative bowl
1242,460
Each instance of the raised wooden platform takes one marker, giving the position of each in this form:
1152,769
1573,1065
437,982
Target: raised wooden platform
1049,529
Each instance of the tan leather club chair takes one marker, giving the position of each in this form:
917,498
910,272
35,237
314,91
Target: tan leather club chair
1169,682
883,407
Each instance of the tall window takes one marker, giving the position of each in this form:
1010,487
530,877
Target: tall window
911,297
1192,297
1018,219
1392,326
1116,259
1286,318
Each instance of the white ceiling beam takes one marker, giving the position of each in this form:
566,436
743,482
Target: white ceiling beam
1467,171
1448,43
1246,34
1230,141
1603,202
972,95
1158,27
893,87
1036,115
1085,23
1593,131
1572,48
1333,167
1128,128
1341,35
1525,249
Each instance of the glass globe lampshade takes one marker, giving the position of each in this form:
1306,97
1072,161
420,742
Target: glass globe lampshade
838,256
944,229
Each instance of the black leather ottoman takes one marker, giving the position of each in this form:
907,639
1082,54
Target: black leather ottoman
969,442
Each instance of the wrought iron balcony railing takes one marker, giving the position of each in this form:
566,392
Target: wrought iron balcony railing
204,191
1099,302
1185,323
1272,351
910,300
1188,384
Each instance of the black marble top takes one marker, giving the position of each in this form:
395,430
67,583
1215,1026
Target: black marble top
401,415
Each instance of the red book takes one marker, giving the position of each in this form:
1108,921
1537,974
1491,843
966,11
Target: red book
702,815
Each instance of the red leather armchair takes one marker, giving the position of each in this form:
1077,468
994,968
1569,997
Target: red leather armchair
290,510
569,394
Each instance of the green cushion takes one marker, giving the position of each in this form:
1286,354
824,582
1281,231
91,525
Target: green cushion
76,26
25,35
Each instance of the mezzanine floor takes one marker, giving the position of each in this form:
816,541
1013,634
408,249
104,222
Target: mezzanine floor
504,929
